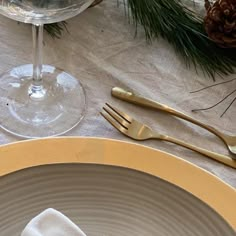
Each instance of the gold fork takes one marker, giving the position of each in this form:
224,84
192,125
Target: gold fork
122,94
139,131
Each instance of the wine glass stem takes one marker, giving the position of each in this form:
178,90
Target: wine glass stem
36,90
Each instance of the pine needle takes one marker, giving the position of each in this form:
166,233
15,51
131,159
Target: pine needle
56,29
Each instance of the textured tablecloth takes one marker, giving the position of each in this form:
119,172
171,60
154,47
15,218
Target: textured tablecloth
102,52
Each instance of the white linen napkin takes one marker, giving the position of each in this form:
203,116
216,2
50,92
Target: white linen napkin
51,223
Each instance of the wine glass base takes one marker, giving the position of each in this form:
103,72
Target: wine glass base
57,109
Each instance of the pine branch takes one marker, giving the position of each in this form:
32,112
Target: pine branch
182,28
56,29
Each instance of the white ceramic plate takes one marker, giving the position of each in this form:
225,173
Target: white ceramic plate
105,200
102,194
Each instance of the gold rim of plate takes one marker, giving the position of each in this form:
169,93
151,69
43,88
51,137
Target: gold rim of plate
202,184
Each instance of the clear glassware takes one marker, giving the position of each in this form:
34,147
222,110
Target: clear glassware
40,100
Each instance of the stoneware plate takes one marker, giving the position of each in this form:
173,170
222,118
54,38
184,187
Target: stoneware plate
111,188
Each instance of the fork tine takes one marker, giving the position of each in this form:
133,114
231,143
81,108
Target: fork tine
116,117
120,113
114,123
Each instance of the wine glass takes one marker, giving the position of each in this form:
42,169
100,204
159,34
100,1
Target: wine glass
40,100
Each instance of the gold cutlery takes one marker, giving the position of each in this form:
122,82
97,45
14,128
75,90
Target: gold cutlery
139,131
124,95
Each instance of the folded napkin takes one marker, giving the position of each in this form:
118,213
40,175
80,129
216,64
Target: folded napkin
51,223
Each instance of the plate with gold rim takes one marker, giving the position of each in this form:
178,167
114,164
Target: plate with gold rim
111,187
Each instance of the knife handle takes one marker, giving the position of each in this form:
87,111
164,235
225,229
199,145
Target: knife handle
145,102
135,99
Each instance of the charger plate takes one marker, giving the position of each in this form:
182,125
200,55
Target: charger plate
112,188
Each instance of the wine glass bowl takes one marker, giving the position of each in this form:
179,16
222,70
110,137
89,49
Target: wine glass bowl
42,11
40,100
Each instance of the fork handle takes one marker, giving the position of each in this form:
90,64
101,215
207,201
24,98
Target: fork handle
218,157
142,101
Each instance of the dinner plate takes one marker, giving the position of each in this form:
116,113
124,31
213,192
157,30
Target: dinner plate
109,187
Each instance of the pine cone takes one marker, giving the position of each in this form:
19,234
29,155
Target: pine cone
220,22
